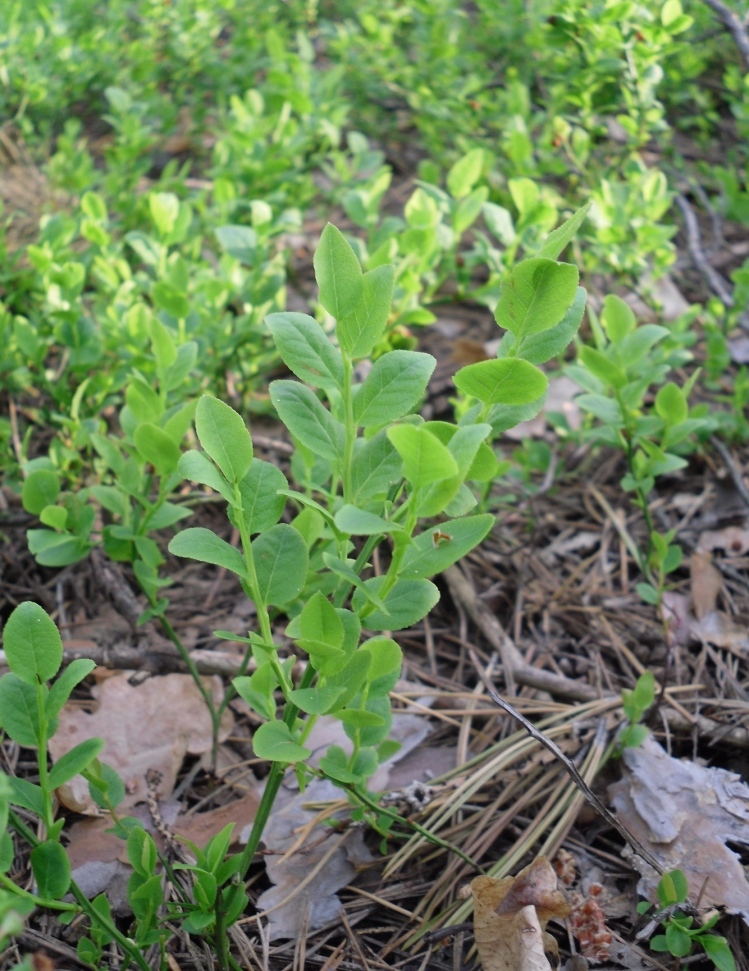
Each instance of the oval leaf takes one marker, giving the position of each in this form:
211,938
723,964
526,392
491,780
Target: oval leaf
281,561
505,381
32,642
74,761
198,543
51,867
224,436
275,743
393,388
338,273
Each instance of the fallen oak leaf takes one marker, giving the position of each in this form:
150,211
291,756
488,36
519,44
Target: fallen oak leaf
510,918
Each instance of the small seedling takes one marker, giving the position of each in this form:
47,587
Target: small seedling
680,934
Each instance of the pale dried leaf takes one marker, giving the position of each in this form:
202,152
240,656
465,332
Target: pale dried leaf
706,582
153,725
720,629
684,814
510,917
304,895
732,539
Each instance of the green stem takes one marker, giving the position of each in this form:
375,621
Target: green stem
221,936
272,785
366,800
32,897
83,902
41,756
350,427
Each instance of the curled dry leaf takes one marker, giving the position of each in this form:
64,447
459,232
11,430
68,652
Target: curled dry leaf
510,918
706,583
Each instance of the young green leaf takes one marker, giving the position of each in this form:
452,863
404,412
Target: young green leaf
198,543
262,506
156,447
224,436
359,330
74,761
439,547
317,700
51,868
507,381
671,404
335,765
407,603
536,296
32,642
193,465
19,716
718,951
539,348
617,318
27,795
394,386
41,488
375,468
358,522
321,622
63,685
281,559
338,273
274,742
602,367
425,458
556,241
305,417
465,173
306,350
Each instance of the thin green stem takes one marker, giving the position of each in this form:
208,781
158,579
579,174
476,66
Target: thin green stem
32,897
41,756
365,799
349,426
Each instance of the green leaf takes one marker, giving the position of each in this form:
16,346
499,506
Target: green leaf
338,273
316,701
359,522
257,690
274,742
467,210
536,296
394,386
672,888
41,488
32,642
162,342
55,516
440,546
319,621
351,677
74,761
718,951
539,348
62,686
27,794
143,401
306,350
407,603
679,943
306,418
168,297
238,241
224,436
156,447
262,506
51,868
194,465
375,468
164,208
617,318
465,173
671,404
387,657
648,593
281,561
359,331
198,543
556,241
506,380
425,458
19,716
104,785
359,718
602,367
335,765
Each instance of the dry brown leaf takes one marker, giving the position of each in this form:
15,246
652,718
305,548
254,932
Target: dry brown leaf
684,814
200,827
706,583
732,539
149,726
510,918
